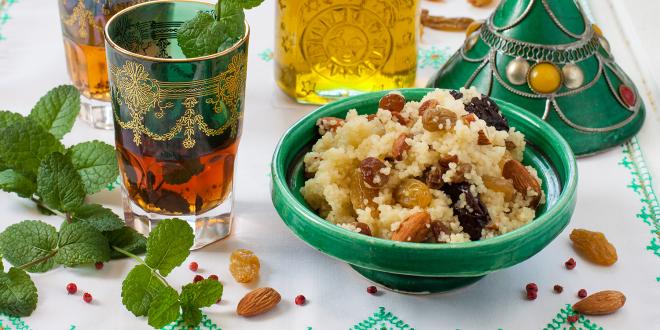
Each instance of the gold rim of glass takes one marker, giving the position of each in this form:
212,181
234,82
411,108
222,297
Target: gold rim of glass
174,60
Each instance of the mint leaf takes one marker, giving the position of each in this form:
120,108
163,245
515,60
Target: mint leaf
169,245
7,118
139,289
18,294
232,19
99,217
96,163
80,243
191,315
12,181
200,36
24,144
126,239
27,241
201,294
248,4
58,183
57,110
2,266
164,308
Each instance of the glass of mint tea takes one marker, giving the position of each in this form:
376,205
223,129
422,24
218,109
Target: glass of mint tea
177,119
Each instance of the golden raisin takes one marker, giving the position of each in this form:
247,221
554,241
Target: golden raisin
500,185
428,104
244,265
434,117
412,192
370,169
362,196
594,246
393,102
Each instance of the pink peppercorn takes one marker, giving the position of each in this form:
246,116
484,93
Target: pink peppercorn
300,300
71,288
582,293
198,278
572,318
558,288
193,266
531,287
531,295
570,263
214,277
87,297
372,289
98,265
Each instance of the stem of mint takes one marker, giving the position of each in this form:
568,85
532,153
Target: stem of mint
140,261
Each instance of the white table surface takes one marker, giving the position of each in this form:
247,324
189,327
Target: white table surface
32,62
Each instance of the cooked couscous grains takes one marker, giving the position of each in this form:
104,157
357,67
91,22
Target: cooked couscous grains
361,173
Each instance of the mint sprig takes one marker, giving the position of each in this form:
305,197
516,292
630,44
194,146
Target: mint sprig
35,165
211,32
145,291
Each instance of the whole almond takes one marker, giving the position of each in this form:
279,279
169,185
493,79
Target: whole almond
399,146
416,228
600,303
522,179
258,301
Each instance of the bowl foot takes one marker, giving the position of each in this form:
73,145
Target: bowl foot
411,284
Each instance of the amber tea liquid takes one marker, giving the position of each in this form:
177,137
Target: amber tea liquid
331,49
88,69
166,178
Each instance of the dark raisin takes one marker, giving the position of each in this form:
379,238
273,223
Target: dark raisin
433,177
474,217
456,94
488,111
370,171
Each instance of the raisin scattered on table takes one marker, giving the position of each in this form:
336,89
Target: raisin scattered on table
244,265
594,246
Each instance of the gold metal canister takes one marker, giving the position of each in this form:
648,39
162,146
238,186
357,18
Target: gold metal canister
329,49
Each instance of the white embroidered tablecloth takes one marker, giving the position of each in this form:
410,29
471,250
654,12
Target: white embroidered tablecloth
615,196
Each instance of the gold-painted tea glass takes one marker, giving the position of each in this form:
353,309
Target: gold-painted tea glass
177,120
325,50
82,30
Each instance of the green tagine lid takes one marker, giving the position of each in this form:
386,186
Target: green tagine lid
547,57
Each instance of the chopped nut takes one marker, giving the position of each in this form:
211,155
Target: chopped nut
483,139
329,124
400,146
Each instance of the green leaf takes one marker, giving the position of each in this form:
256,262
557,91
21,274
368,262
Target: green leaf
164,308
12,181
7,118
2,266
96,163
99,217
139,289
191,315
27,241
58,183
248,4
169,245
126,239
81,243
18,294
57,110
201,35
24,144
181,172
201,294
232,19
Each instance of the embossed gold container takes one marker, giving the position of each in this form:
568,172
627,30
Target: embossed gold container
82,31
325,50
177,120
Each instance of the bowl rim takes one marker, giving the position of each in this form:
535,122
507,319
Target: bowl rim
563,149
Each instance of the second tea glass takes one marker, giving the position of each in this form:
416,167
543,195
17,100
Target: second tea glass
177,120
82,30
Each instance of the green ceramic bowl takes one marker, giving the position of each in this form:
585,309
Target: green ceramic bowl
419,267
